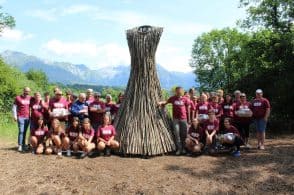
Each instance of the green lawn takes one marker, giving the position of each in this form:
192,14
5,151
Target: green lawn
8,128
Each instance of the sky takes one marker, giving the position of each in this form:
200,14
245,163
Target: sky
92,32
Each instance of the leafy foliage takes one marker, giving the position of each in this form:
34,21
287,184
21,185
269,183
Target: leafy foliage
6,21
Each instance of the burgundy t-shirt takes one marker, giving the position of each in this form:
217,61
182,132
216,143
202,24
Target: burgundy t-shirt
94,116
179,106
217,108
61,103
211,126
232,129
195,133
23,106
72,133
106,132
40,134
87,134
203,107
259,107
239,106
109,107
37,110
228,109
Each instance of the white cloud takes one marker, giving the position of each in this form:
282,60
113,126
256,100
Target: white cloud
15,35
2,2
76,9
106,55
188,28
48,15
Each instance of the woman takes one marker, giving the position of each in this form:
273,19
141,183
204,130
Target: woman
45,104
228,110
70,140
105,136
216,107
38,136
220,94
37,110
56,134
117,105
194,142
202,109
231,137
85,139
96,111
243,118
211,127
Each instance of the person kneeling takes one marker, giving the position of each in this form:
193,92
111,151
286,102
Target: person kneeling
56,134
105,136
231,137
38,137
85,139
70,140
194,139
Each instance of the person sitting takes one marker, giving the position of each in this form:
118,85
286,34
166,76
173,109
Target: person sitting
194,140
105,136
210,127
70,140
56,133
85,139
38,136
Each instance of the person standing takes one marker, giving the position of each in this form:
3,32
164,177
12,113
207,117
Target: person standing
21,114
80,108
58,108
180,104
96,111
261,111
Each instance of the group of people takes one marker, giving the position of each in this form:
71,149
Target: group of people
84,122
212,120
70,123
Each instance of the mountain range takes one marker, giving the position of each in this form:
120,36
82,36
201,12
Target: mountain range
68,73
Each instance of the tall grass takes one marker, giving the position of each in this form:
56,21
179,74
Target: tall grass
8,128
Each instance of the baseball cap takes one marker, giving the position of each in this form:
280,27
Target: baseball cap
97,94
242,95
89,90
258,91
58,92
237,92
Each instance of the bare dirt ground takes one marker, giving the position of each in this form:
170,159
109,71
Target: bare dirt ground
256,172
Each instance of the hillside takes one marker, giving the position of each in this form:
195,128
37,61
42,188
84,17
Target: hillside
68,73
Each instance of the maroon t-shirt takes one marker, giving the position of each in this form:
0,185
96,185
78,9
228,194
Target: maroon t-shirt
232,129
106,132
195,133
228,109
40,134
217,108
61,103
87,134
211,126
115,108
179,106
46,111
37,110
259,107
72,133
23,106
203,107
90,100
94,116
239,106
109,107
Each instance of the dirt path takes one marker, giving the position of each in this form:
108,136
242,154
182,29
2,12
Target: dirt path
255,172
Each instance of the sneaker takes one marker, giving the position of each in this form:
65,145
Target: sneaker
247,146
68,153
83,155
19,148
261,147
236,153
33,151
178,152
107,151
184,152
59,153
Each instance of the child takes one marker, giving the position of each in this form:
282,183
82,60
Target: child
105,136
211,127
85,139
39,136
56,134
232,137
194,139
70,140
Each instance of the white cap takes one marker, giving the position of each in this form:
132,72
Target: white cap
258,91
237,92
90,90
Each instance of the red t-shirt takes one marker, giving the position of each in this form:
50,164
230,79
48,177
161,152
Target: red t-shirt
196,133
40,134
90,100
115,108
259,107
203,107
109,107
179,106
239,106
216,107
46,111
61,103
23,106
72,133
87,134
37,110
232,129
228,109
211,126
94,116
106,132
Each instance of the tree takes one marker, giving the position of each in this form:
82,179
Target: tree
216,57
143,128
39,77
277,15
6,21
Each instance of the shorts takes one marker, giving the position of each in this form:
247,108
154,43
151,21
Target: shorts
260,125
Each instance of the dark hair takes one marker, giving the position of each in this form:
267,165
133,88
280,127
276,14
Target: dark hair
119,95
179,87
228,119
231,101
46,93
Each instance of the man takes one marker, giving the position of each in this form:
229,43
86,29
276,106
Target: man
89,98
80,107
96,111
21,114
180,105
261,110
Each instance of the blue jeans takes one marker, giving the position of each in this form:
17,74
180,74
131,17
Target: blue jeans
180,132
260,125
23,124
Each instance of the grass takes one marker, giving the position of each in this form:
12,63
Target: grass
8,128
